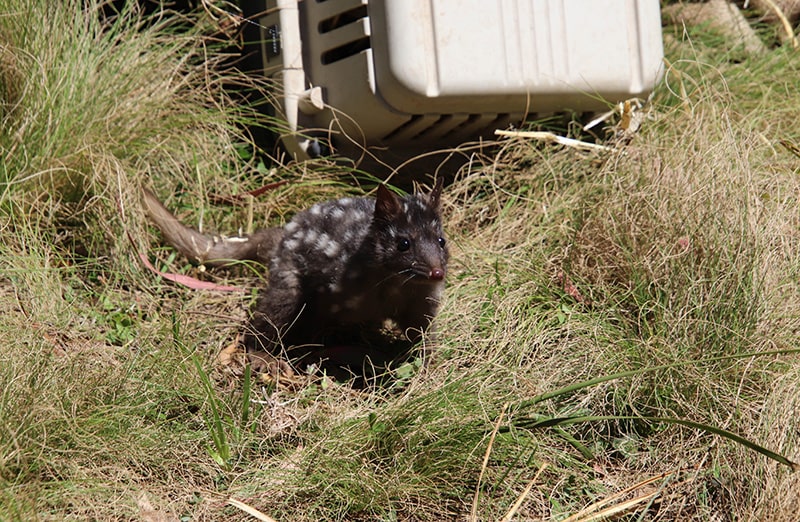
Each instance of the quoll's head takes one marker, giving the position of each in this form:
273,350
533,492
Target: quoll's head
412,242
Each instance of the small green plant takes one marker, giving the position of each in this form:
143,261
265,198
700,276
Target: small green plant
221,450
226,430
121,324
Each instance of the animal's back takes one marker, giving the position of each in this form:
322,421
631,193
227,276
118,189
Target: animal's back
319,243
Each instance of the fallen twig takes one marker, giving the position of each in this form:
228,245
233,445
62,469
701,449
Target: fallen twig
232,199
549,137
253,512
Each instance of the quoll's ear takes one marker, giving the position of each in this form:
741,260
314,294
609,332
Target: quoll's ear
434,196
387,204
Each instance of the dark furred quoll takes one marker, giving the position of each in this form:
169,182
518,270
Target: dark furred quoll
348,279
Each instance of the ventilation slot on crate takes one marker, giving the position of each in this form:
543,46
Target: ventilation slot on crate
467,123
345,50
434,128
400,129
342,19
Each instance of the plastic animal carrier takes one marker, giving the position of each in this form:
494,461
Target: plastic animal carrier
401,77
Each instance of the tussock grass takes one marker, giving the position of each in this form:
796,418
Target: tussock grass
566,266
105,106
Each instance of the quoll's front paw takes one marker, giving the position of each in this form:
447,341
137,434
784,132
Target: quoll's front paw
266,363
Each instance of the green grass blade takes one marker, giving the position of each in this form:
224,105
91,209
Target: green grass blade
246,397
556,422
630,373
216,426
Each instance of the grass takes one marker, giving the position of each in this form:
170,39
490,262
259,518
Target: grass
673,262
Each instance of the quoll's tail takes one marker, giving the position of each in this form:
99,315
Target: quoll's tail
211,250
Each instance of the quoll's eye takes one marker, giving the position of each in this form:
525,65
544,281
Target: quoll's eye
403,244
442,242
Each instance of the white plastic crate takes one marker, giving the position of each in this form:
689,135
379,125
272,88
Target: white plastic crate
408,76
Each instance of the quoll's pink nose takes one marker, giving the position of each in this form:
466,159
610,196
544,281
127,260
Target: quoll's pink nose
437,274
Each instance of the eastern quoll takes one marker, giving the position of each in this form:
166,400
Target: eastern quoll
342,275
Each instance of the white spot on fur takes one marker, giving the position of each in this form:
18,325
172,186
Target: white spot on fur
356,215
291,227
310,237
323,241
291,244
289,278
337,213
332,249
323,238
419,204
